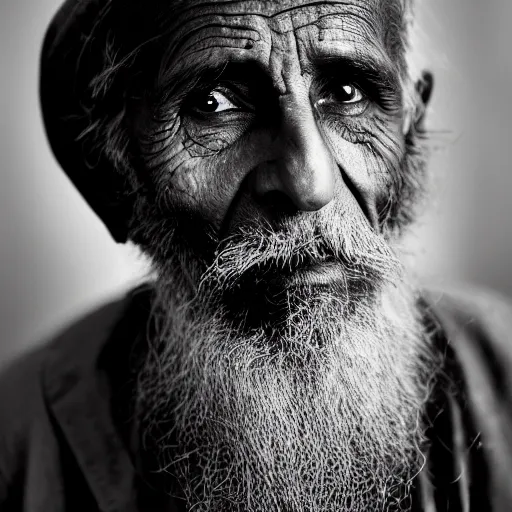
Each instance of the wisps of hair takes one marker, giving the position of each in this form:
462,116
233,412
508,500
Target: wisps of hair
114,88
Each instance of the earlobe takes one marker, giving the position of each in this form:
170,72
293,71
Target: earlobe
424,88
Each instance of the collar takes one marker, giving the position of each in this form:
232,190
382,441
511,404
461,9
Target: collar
78,400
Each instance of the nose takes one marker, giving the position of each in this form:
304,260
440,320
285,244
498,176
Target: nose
304,170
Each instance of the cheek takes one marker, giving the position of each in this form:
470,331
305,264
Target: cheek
369,151
202,171
210,138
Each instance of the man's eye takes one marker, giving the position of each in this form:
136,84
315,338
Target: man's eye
347,100
345,95
349,94
213,102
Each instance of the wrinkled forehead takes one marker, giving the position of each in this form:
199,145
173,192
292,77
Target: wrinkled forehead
255,28
301,11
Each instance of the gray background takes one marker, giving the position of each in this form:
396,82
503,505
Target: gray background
57,260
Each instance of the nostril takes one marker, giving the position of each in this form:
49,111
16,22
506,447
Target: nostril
278,202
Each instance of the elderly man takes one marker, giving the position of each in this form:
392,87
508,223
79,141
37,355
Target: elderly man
267,156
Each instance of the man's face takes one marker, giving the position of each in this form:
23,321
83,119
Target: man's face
290,106
277,157
274,115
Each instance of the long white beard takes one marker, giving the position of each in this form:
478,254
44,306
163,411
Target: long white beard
320,412
305,427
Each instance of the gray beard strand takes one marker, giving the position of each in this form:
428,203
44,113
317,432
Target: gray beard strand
302,428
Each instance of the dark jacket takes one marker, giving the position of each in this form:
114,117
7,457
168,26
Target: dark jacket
63,444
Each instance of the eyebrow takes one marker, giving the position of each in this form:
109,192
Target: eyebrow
197,73
175,82
378,73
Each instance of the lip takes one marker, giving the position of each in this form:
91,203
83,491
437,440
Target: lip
319,274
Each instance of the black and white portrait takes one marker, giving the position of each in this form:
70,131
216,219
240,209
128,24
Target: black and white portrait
255,256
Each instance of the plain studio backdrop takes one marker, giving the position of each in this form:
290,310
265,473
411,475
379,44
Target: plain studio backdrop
57,260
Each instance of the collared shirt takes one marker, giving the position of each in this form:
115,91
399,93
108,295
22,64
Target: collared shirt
67,442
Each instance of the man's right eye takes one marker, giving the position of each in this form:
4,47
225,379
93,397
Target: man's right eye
212,102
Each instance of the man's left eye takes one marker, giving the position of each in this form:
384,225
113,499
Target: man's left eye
344,95
349,94
213,102
346,100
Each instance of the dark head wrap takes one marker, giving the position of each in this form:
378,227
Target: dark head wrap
72,55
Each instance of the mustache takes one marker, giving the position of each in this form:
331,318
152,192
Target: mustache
260,249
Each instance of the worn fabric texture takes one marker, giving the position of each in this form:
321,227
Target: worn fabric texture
66,439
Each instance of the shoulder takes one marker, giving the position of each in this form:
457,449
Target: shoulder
21,402
25,384
470,300
474,314
22,380
477,327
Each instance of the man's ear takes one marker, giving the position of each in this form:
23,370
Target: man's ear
424,88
